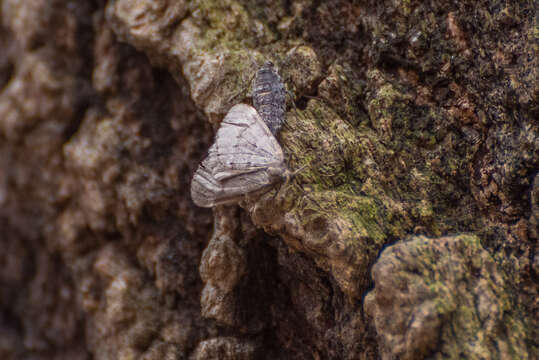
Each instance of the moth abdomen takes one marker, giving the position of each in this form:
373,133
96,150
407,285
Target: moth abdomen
269,97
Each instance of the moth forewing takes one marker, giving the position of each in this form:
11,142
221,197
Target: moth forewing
204,188
244,142
207,192
244,159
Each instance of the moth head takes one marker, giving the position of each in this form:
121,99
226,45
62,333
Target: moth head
275,173
268,64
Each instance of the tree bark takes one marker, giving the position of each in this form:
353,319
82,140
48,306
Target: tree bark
410,231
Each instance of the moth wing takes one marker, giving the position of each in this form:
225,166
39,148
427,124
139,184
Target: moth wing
238,161
243,144
207,191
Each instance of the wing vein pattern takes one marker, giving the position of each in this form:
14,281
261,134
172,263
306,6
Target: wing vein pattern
239,161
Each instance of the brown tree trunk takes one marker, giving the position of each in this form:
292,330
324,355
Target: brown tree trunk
410,232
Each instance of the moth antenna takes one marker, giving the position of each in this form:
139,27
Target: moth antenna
288,176
292,101
233,97
246,91
297,171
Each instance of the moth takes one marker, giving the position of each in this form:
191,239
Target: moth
245,158
269,97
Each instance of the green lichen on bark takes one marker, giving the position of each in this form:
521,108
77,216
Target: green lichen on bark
450,296
388,142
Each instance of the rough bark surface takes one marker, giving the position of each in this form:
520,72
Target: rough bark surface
410,233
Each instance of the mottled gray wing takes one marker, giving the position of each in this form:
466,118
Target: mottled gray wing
238,161
243,144
269,97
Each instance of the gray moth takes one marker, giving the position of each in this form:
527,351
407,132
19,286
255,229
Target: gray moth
269,97
244,159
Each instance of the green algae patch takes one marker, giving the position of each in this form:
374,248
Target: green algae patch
364,216
342,222
320,140
228,25
447,289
